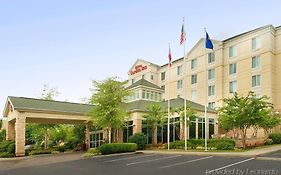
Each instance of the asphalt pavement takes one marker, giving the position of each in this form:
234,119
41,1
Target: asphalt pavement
155,164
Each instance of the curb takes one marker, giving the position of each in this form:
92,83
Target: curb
269,158
112,155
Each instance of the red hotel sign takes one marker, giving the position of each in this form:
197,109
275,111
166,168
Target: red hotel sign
138,68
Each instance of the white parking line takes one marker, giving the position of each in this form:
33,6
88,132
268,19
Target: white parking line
127,158
231,165
190,161
151,160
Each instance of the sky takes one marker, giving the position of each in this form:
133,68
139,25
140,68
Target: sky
68,43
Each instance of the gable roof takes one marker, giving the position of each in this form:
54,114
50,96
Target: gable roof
34,104
144,82
141,105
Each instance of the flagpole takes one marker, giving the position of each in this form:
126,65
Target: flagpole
184,93
206,99
168,127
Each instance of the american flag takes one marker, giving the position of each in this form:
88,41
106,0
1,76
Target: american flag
182,37
170,57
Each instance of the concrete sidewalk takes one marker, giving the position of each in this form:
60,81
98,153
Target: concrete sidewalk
251,153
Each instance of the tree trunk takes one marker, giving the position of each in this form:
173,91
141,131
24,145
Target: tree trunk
154,135
46,139
109,134
244,133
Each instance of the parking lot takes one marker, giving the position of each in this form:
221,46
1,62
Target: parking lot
156,164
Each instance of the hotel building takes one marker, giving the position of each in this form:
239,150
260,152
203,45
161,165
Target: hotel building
250,61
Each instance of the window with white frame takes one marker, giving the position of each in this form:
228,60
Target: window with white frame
193,95
193,63
233,86
211,90
232,69
212,105
232,52
194,79
163,76
211,74
256,62
256,43
179,84
179,70
133,80
211,57
256,80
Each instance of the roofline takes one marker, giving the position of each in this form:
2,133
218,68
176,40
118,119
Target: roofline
244,33
52,100
51,111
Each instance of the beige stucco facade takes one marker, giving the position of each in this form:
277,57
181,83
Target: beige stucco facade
268,40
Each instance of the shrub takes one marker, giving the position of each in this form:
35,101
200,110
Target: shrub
224,146
218,144
212,143
92,152
179,144
11,148
7,146
2,135
110,148
6,155
276,138
37,152
61,149
139,139
268,142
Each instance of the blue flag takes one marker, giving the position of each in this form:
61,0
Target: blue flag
208,43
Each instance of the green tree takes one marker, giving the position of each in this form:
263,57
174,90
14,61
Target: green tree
154,117
109,112
243,112
49,93
269,121
190,115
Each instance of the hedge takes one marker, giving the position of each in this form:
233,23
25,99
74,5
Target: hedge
139,139
110,148
276,138
218,144
7,146
37,152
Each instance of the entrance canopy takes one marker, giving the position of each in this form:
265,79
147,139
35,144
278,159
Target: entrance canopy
20,110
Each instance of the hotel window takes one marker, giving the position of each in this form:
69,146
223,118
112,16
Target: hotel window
211,90
179,70
232,69
193,63
256,62
133,80
143,76
194,79
151,77
152,96
211,74
147,94
163,76
163,87
233,86
179,84
256,80
211,57
143,94
193,95
211,105
256,43
232,51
